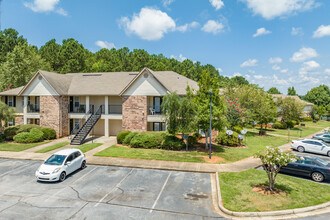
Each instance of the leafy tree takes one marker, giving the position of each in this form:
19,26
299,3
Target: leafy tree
170,109
6,114
274,90
234,113
291,91
21,64
290,109
209,83
259,105
313,112
272,161
51,52
319,95
240,80
9,39
321,110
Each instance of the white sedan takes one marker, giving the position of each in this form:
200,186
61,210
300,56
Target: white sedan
61,164
311,145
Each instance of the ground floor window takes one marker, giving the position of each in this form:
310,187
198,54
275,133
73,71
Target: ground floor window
159,126
11,122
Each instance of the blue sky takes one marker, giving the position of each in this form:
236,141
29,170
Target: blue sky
277,43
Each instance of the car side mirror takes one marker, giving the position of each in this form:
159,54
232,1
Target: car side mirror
68,163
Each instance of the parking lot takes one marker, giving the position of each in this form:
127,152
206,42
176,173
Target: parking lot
100,192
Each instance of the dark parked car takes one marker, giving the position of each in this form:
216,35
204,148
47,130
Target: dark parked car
323,137
312,167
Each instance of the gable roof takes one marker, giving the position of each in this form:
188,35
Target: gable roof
12,91
106,83
276,96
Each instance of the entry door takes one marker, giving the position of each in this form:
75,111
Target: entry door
157,104
71,103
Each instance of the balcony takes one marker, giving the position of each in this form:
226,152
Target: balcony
113,109
80,109
33,108
154,110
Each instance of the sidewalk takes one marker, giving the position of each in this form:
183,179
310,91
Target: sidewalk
237,166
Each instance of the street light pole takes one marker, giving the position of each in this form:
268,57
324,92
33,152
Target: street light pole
210,147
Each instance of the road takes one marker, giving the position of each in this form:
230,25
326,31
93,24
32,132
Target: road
100,192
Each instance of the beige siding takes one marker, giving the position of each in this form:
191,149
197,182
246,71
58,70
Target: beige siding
99,128
39,87
96,101
115,126
115,100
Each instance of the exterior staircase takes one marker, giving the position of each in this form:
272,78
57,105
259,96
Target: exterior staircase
86,128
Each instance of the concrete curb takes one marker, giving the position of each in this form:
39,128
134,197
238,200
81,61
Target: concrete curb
269,213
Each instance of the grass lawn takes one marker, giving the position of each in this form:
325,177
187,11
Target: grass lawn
12,146
87,147
237,194
151,154
52,147
310,128
255,144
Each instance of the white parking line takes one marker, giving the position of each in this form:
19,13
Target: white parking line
160,193
71,183
114,188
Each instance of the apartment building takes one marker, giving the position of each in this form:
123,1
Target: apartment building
118,100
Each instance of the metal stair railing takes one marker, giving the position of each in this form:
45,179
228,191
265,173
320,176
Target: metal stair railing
81,123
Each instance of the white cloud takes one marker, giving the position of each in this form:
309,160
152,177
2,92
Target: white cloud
252,71
303,54
186,27
217,4
237,74
247,76
278,81
105,44
166,3
327,71
250,62
261,31
322,31
45,6
258,76
275,60
276,67
296,31
270,9
149,24
212,26
220,70
180,58
284,70
309,67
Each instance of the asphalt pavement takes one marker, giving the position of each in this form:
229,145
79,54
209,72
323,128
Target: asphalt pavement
104,192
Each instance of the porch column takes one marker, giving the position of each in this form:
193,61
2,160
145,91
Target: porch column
25,109
106,127
87,104
106,105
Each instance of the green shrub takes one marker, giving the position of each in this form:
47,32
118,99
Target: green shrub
316,118
307,119
262,132
192,141
228,140
238,129
129,137
35,135
2,138
10,132
172,142
197,135
121,136
145,140
49,133
290,124
280,125
27,128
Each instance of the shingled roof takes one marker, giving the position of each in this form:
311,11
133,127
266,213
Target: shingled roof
277,96
106,83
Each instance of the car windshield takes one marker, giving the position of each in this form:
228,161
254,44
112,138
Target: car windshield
321,161
55,159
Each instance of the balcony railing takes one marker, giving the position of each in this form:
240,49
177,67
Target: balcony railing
33,108
113,109
154,110
80,109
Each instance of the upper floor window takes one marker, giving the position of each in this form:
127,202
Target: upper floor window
10,101
76,101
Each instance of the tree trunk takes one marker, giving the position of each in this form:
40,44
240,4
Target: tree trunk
187,145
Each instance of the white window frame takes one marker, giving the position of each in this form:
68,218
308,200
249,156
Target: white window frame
76,100
10,101
11,123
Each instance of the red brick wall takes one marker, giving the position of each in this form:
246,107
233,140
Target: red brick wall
134,113
54,114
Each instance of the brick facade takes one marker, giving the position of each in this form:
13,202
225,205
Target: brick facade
54,114
19,120
134,113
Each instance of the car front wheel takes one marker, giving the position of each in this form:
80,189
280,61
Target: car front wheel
329,153
301,149
62,177
83,165
317,177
